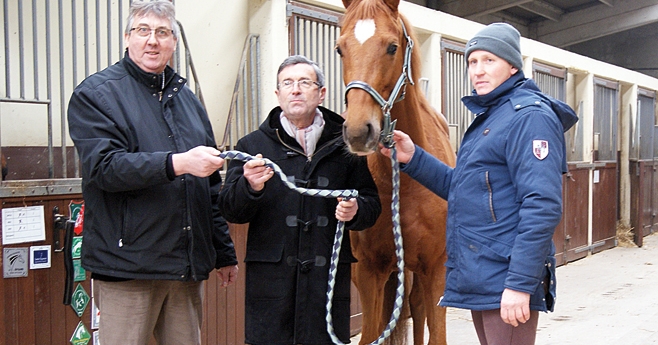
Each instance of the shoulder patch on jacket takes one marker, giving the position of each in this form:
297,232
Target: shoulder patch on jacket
540,149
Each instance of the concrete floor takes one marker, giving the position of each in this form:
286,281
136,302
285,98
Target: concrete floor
609,298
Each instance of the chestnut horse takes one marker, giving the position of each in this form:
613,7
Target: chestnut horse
373,45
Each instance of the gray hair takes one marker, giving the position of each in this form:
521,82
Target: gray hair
297,59
160,8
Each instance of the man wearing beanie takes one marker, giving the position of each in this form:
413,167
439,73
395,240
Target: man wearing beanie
504,194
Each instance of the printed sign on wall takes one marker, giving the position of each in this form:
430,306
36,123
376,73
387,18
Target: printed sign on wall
23,224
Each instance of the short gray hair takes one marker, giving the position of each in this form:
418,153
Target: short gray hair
160,8
297,59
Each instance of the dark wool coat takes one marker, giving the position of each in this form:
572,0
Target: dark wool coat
290,236
141,223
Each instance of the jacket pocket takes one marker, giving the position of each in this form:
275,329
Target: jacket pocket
125,237
487,182
482,265
264,253
267,276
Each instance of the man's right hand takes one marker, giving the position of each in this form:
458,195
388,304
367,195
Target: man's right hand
404,145
201,161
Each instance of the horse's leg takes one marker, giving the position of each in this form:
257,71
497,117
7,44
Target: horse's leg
370,283
433,285
399,335
418,313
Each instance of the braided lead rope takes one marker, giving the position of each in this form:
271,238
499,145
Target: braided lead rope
325,193
399,252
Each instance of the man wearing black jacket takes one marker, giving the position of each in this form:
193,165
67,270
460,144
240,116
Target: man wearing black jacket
290,237
153,231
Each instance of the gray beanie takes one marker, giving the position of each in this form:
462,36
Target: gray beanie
501,39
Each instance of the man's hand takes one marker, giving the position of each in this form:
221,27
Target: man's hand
201,161
227,275
257,173
515,307
346,209
403,144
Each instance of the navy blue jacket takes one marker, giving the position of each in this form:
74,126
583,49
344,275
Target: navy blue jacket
141,222
504,196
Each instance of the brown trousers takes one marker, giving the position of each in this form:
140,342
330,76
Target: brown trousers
131,312
491,329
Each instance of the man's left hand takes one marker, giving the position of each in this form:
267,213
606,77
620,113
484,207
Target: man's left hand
346,209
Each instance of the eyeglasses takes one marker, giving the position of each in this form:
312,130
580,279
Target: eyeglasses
304,84
160,33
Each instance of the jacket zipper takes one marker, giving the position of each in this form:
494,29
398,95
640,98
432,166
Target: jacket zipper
491,209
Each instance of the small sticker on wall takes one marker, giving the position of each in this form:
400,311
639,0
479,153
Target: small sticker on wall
40,257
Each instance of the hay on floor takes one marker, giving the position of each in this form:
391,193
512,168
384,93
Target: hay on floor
625,236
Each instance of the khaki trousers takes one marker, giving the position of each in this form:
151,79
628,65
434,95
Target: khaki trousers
491,329
133,311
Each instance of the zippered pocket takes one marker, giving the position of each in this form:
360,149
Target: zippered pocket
490,190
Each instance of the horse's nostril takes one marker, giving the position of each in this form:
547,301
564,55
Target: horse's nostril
370,130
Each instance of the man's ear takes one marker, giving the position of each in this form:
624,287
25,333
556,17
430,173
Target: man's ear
323,94
514,70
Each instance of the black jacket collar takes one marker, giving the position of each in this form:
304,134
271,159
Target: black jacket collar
151,80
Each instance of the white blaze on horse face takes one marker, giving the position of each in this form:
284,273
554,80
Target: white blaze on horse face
364,29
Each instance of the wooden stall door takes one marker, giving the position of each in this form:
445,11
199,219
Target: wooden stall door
573,236
223,308
642,193
604,207
32,308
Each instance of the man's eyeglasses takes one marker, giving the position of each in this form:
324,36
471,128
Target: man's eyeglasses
160,33
304,84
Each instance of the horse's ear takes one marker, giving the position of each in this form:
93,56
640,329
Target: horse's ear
392,4
347,3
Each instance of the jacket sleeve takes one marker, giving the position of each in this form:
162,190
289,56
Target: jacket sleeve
221,237
105,147
538,190
429,171
237,202
370,206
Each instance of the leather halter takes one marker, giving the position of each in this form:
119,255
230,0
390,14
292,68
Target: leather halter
386,135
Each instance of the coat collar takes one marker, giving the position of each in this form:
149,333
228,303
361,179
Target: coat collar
480,104
151,80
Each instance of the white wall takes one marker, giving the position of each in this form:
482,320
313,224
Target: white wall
216,31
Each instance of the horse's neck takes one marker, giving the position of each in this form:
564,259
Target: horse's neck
412,117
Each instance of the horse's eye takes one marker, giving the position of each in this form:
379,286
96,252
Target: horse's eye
392,48
339,51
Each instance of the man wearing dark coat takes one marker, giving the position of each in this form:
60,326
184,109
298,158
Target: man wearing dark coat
290,239
152,228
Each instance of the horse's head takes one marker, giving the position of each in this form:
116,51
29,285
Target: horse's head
373,47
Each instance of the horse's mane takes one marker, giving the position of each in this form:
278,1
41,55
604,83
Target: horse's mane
416,67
